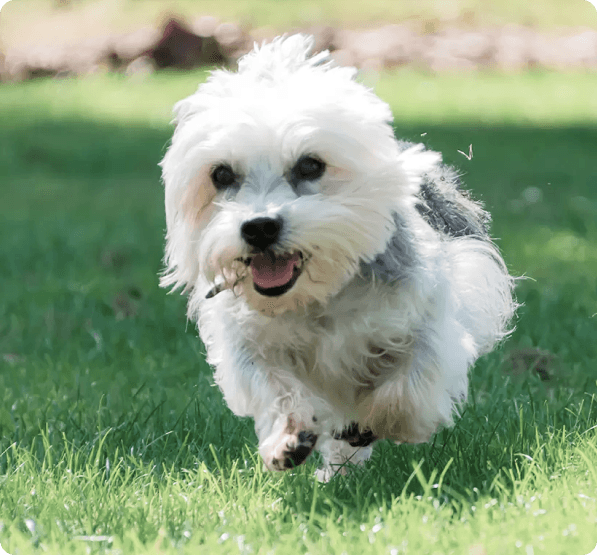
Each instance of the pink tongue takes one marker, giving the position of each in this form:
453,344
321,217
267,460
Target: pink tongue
268,274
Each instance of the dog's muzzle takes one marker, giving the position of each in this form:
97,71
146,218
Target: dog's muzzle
274,275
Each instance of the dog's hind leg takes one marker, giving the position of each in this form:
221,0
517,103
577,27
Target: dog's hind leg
356,436
411,404
339,457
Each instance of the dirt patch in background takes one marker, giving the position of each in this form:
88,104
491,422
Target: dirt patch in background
65,41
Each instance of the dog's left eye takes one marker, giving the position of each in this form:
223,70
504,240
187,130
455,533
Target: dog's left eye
308,169
223,176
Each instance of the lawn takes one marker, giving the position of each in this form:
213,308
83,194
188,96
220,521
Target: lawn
113,438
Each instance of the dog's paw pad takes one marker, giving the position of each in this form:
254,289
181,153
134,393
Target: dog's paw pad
293,451
298,453
355,436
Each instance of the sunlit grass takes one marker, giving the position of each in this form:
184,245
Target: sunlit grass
113,438
105,499
537,99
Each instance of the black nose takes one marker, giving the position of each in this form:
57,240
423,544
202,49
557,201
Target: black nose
261,232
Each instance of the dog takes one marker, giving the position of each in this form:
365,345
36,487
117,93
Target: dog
341,280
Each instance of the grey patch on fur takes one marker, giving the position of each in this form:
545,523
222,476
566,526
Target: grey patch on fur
446,207
449,209
396,262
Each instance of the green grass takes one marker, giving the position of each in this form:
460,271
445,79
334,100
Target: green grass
113,438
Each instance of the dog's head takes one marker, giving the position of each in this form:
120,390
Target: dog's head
281,179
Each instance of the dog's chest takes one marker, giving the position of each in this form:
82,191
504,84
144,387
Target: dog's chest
354,341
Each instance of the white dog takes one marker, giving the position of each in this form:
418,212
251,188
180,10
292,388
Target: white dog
341,281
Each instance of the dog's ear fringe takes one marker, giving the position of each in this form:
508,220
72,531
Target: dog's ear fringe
170,279
416,161
173,277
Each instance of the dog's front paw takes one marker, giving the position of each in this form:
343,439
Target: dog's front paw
292,450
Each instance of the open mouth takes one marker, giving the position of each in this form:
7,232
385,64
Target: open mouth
273,274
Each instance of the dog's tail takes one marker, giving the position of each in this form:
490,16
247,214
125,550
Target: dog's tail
484,290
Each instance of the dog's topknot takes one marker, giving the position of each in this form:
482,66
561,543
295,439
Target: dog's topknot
287,65
283,54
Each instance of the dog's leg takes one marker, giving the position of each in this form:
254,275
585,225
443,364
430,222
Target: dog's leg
412,403
356,436
339,456
289,443
284,411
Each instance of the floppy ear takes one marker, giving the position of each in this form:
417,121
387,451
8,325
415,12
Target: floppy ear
182,267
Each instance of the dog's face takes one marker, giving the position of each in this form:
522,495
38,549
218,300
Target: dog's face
281,179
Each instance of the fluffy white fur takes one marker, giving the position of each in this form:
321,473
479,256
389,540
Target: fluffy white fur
348,343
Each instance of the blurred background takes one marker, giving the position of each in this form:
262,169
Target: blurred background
104,389
506,90
65,37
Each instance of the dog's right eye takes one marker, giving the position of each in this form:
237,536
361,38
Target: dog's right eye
308,168
223,176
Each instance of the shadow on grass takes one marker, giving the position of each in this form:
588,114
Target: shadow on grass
506,160
93,348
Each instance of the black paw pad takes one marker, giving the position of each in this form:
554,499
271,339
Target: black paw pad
299,453
355,436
